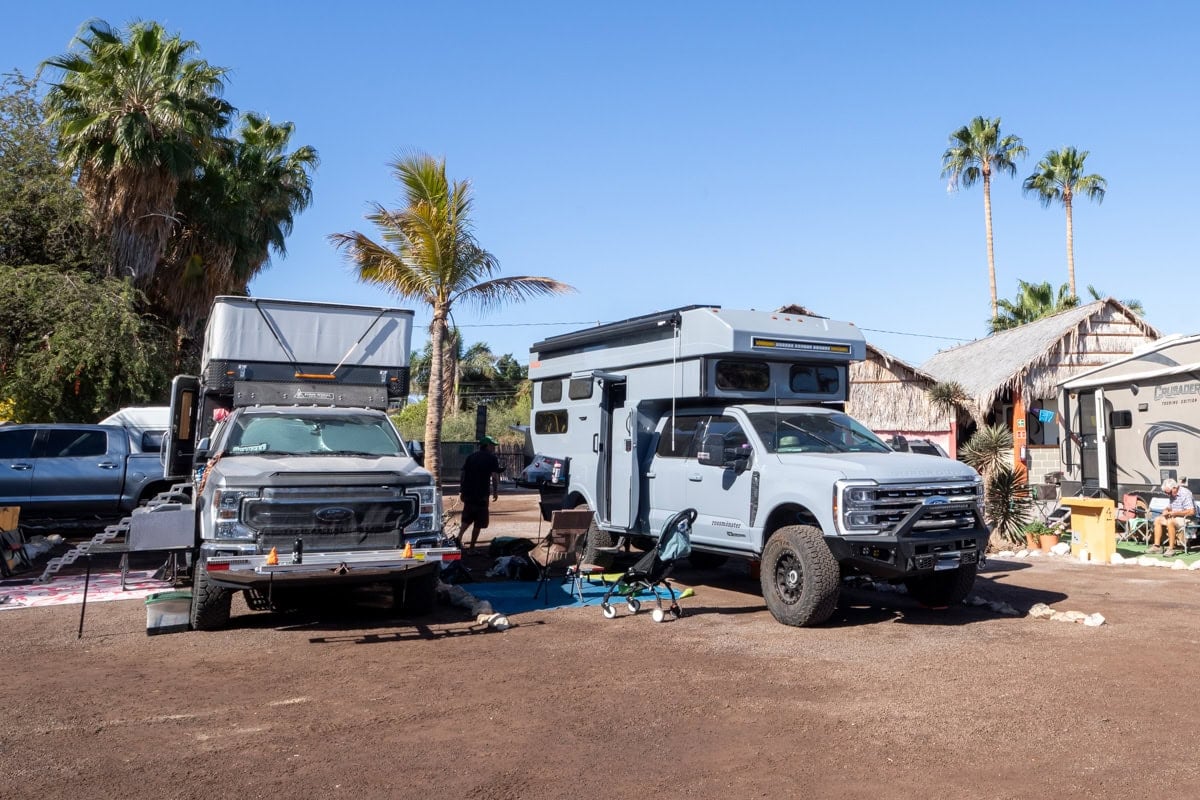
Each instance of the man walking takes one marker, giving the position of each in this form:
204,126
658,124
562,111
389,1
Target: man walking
480,472
1174,518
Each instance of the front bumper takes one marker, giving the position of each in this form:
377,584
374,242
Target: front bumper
907,551
324,569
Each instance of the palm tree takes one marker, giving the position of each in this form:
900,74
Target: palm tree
976,151
429,254
236,211
1033,301
1133,305
134,116
1060,177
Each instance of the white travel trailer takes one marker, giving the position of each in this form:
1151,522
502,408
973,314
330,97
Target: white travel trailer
1135,422
738,414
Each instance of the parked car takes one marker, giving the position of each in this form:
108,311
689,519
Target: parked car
78,475
924,447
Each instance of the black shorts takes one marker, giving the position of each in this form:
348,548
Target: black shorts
474,511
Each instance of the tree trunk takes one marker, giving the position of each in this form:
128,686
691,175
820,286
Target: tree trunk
987,223
1070,244
434,400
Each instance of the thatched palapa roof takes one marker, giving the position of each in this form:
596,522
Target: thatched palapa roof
1037,356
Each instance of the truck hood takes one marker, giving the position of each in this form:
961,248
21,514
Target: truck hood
882,467
251,470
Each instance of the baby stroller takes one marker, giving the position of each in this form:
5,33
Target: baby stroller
652,569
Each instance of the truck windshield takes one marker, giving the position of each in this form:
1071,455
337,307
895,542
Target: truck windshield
788,431
304,435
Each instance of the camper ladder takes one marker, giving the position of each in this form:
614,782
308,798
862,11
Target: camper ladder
172,495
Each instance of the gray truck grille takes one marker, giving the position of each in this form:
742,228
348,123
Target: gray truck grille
331,518
893,503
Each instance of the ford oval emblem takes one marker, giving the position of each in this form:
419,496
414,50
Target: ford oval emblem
936,500
333,514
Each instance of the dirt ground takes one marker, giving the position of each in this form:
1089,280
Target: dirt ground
887,700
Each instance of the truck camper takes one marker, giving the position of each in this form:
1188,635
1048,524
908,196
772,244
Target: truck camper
739,414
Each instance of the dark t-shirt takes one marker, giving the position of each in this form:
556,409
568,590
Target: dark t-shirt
477,476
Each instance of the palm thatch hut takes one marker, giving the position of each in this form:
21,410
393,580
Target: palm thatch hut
889,396
1012,375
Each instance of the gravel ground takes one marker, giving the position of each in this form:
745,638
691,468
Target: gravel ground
887,700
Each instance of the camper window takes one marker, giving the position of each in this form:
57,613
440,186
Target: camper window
551,391
743,376
1121,419
550,422
579,389
805,379
676,440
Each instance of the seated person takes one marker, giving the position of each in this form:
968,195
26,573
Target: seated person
1174,518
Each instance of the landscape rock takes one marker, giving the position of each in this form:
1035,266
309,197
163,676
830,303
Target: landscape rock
1060,616
1005,554
1041,611
1195,565
1022,553
1061,549
1146,561
1075,616
1178,565
1094,620
1117,558
1003,608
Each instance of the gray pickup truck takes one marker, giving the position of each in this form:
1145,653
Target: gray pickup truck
67,475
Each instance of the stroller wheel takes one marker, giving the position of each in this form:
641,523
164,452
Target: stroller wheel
658,615
608,611
634,605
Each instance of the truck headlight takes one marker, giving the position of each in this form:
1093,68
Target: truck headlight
855,507
226,509
429,510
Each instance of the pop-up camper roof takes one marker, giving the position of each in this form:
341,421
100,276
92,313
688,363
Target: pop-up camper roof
702,331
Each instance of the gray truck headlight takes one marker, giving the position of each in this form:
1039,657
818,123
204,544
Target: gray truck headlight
226,509
855,508
429,510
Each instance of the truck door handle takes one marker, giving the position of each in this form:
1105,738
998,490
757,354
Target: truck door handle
649,474
695,476
21,467
595,443
106,465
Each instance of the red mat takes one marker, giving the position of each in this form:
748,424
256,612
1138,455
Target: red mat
103,587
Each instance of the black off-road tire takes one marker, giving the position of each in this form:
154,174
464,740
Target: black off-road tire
416,596
591,547
800,577
210,604
948,588
706,561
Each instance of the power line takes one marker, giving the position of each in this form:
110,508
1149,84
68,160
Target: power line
920,335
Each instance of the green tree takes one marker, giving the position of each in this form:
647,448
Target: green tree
1033,301
429,254
74,347
235,212
976,151
1133,305
42,216
135,114
1060,178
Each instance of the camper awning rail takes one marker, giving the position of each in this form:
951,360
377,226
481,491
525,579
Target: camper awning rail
610,331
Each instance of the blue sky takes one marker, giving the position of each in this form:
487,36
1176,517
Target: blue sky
750,155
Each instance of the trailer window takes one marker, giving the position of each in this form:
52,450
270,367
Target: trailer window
676,439
550,421
1121,419
551,391
743,376
580,389
807,379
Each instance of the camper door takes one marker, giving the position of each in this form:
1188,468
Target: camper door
611,442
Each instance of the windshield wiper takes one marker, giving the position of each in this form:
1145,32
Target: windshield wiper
362,453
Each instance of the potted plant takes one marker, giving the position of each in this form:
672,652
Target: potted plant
1035,532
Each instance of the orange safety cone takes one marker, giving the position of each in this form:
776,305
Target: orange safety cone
272,557
407,550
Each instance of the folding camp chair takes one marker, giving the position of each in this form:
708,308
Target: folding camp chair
1132,521
12,545
560,546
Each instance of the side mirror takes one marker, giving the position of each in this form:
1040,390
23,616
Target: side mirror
201,454
714,452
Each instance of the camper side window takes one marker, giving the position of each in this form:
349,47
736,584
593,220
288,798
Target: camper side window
805,379
551,391
550,422
676,439
1121,419
579,389
743,376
